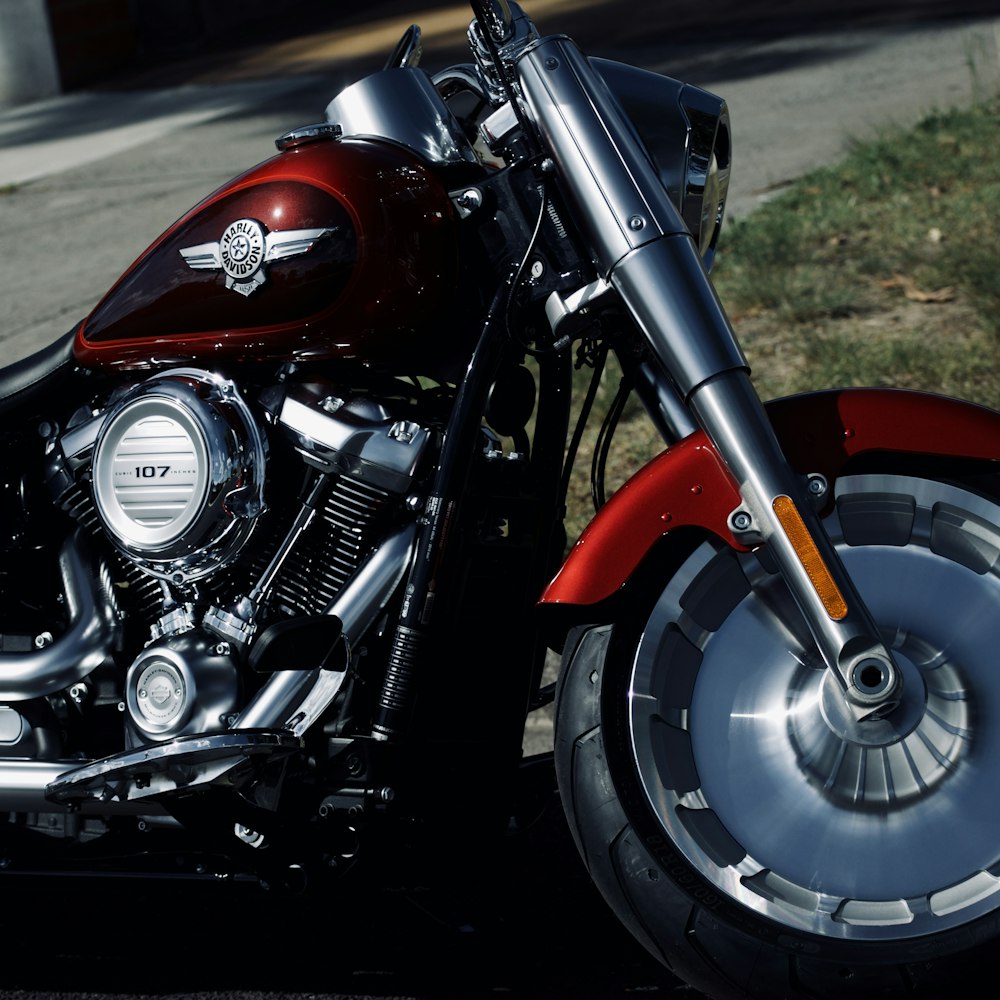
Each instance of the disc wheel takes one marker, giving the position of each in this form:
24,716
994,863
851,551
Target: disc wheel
751,833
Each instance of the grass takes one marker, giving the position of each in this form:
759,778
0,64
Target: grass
880,270
883,269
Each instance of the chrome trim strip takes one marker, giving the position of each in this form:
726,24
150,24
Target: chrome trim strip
179,765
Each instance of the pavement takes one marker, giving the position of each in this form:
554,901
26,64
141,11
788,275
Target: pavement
89,179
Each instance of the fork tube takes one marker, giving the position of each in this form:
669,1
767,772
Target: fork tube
645,252
729,410
667,291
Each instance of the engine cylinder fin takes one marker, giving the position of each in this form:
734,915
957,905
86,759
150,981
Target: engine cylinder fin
136,592
348,527
78,504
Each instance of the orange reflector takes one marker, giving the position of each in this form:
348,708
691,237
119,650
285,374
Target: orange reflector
812,561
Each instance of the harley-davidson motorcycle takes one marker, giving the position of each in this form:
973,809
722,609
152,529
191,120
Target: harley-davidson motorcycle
284,547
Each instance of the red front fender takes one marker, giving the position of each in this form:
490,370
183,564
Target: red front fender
687,485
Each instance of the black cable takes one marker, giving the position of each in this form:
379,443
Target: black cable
581,423
602,447
519,273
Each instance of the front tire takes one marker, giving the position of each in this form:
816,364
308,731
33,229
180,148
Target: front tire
748,832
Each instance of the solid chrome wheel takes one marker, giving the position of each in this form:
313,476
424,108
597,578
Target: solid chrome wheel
770,790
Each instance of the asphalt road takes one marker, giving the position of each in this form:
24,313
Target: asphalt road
88,180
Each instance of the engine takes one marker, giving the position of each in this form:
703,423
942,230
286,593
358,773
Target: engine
222,512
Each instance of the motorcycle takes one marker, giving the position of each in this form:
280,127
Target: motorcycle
285,547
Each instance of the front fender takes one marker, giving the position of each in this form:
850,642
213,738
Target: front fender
688,486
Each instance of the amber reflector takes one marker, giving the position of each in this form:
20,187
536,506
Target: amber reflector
812,561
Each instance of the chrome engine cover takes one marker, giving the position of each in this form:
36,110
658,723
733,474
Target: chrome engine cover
180,686
178,474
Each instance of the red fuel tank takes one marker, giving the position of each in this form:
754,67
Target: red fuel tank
343,248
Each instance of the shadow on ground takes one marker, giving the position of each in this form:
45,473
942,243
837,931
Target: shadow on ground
524,922
603,27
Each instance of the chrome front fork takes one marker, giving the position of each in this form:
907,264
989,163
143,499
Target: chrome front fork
668,293
644,252
778,511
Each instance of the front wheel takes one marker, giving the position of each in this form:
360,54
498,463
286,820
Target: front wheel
748,831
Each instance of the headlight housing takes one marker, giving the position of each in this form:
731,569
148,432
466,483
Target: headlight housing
685,131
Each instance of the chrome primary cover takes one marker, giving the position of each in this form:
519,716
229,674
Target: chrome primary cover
178,473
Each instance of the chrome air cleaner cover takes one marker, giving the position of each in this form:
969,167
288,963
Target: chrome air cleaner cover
178,473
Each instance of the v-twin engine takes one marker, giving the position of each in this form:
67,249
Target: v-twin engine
206,515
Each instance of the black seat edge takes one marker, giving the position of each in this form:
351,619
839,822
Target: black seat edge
36,373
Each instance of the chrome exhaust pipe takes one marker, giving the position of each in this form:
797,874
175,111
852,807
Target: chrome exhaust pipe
54,667
75,654
24,783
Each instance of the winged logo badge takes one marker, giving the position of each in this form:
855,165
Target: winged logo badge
244,251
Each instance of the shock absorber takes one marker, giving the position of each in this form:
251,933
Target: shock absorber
424,586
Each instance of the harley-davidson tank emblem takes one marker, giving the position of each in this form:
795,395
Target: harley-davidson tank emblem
244,251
